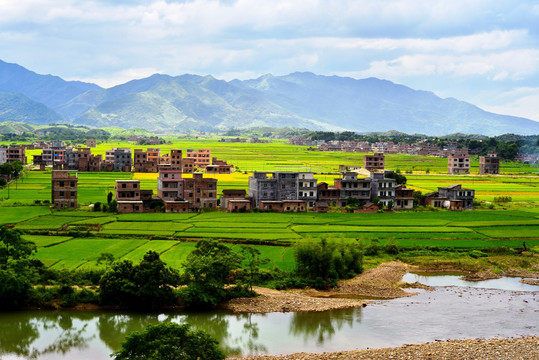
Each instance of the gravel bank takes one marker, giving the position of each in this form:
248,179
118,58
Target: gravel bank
526,348
381,283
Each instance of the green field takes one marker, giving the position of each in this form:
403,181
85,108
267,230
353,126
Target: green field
75,239
172,235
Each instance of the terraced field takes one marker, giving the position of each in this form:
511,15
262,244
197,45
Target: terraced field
130,236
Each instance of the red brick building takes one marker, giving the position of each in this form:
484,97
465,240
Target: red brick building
64,189
374,162
201,192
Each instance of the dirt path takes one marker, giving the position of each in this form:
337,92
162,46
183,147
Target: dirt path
526,348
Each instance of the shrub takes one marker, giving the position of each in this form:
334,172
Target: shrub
169,341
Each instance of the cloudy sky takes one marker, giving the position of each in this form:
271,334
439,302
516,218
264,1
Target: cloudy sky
482,51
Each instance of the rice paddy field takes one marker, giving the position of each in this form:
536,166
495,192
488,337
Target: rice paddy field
75,239
66,239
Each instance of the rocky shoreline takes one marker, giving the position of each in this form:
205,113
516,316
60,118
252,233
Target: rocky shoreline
382,282
525,348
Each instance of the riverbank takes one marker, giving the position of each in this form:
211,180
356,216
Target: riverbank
382,282
525,348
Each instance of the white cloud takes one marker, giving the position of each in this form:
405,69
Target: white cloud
514,64
119,77
522,102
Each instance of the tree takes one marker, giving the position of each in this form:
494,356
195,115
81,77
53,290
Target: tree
15,286
253,262
326,261
169,341
146,285
207,270
399,178
13,247
109,197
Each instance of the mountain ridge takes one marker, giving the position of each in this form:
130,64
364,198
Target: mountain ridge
164,103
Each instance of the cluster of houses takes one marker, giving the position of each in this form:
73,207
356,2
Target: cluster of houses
123,159
283,191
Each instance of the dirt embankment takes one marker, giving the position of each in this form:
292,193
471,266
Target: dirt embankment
525,348
381,283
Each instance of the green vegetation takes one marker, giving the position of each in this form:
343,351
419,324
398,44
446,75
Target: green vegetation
169,341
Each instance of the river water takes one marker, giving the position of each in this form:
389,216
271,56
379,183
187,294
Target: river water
444,313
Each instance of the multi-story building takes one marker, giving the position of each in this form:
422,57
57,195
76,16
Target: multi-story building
122,159
382,188
170,185
64,189
458,164
3,155
489,164
16,153
278,186
202,157
374,162
146,161
453,197
404,198
351,186
219,167
130,198
91,143
200,192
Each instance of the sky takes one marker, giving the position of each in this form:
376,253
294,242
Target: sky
485,52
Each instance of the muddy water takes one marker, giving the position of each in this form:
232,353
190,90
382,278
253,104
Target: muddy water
445,313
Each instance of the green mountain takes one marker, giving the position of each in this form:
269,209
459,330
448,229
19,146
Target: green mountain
17,107
164,103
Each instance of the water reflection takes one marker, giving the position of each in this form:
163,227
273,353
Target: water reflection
322,326
21,330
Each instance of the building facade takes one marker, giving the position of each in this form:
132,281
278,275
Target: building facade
458,164
489,164
374,162
64,189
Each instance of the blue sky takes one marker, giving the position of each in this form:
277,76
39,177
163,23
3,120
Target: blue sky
485,52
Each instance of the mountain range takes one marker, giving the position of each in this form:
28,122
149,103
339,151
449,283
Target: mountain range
163,103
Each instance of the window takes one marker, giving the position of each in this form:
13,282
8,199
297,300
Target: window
61,183
124,186
72,193
135,185
283,186
61,193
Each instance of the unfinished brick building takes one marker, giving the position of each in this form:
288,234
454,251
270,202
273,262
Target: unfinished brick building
489,164
200,192
374,162
458,164
201,157
131,198
64,189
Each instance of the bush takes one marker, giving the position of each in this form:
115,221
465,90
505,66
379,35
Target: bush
169,341
477,254
327,261
14,290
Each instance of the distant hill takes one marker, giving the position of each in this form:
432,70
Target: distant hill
17,107
164,103
47,89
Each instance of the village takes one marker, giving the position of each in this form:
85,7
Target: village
367,188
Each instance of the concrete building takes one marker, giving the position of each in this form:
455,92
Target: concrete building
219,167
201,192
64,189
91,143
489,164
170,185
122,159
404,198
458,164
3,155
453,197
231,194
16,153
330,195
277,186
382,188
374,162
351,186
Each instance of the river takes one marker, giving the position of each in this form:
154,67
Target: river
445,313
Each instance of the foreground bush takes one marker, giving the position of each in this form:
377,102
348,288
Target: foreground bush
168,341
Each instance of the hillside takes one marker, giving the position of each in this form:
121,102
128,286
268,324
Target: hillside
164,103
